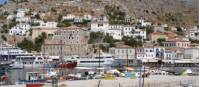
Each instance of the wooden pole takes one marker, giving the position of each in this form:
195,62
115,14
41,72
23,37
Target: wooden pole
143,76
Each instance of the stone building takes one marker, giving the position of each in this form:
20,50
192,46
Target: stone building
67,41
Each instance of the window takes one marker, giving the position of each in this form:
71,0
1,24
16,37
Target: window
99,25
36,62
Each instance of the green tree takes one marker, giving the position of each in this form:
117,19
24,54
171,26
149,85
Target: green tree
132,41
104,48
4,28
109,39
27,45
160,41
3,38
39,41
194,41
37,16
12,23
96,37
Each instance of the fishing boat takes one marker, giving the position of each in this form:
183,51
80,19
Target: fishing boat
33,78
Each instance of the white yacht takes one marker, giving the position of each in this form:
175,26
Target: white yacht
105,60
30,61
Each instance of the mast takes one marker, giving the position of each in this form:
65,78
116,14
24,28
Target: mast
127,57
61,53
99,60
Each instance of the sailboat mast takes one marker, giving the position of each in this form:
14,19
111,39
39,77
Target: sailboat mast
99,59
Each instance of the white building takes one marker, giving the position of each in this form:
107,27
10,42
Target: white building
20,29
182,56
144,23
124,54
191,54
115,33
99,26
150,53
99,23
173,54
78,19
141,33
10,17
21,16
87,17
127,30
45,24
23,19
69,17
193,33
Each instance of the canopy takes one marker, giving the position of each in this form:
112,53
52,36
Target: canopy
189,71
129,68
113,71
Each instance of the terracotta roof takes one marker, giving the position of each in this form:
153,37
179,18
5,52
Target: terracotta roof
156,33
168,33
176,39
72,27
174,49
123,46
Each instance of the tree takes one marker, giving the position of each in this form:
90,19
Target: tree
160,41
4,28
194,41
12,23
96,37
149,30
132,41
26,45
34,24
179,29
60,18
104,48
39,41
109,39
37,16
3,37
30,46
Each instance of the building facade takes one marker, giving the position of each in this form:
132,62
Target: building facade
177,43
124,54
21,29
67,41
150,53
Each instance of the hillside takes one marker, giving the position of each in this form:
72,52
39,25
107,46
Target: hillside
172,12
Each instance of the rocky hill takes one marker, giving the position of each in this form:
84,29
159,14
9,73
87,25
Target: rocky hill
172,12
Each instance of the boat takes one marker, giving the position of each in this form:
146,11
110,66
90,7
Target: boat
34,60
105,60
33,78
9,53
68,65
